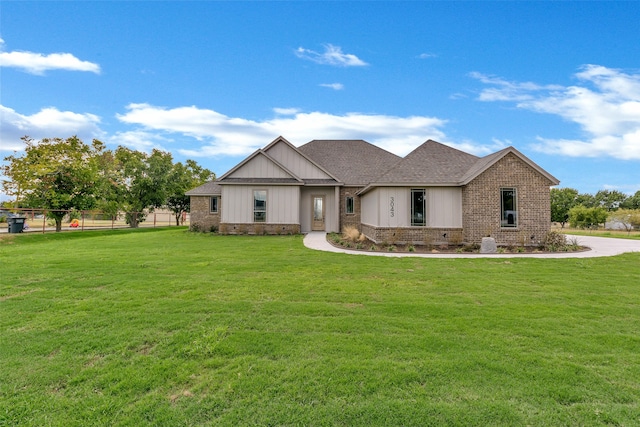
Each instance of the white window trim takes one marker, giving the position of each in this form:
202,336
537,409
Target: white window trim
266,198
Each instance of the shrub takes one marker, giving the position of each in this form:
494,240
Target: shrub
555,242
411,248
351,233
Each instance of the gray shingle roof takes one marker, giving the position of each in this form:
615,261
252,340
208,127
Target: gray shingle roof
354,162
432,163
211,188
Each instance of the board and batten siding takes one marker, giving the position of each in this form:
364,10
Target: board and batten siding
369,212
296,163
281,204
261,167
391,207
444,207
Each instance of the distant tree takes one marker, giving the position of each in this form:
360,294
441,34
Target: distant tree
142,182
583,217
182,179
628,218
562,199
632,202
610,199
587,200
53,174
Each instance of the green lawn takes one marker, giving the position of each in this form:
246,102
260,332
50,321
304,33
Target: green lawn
169,328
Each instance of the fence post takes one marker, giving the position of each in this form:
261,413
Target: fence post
82,226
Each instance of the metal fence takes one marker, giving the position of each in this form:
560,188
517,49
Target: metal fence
38,219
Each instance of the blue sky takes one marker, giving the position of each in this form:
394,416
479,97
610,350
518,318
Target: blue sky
214,81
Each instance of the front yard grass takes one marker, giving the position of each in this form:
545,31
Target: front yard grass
166,327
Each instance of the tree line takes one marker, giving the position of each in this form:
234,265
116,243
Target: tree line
62,175
587,210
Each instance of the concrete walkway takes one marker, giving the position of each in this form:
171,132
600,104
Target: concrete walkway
599,247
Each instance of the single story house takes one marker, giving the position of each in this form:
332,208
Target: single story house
434,195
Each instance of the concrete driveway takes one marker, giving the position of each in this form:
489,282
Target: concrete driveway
599,247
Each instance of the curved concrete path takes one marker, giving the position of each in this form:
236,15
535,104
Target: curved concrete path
600,246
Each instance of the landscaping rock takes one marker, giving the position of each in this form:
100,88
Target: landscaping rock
488,246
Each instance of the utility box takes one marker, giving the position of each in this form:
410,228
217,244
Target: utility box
16,224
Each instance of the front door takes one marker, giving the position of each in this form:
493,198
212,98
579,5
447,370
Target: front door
317,221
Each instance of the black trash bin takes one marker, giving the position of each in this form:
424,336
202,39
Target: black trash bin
16,224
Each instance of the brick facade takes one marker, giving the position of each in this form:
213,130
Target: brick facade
481,204
414,235
201,217
350,220
259,228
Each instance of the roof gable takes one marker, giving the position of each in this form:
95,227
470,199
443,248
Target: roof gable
486,162
286,154
354,162
433,163
258,166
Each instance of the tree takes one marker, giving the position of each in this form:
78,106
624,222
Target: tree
610,199
583,217
54,174
141,182
587,200
562,200
184,178
629,218
632,202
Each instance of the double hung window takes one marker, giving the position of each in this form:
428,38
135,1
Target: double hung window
260,206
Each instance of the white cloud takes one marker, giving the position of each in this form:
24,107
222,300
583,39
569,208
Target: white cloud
605,105
286,111
230,136
427,55
334,86
37,63
140,140
47,123
332,55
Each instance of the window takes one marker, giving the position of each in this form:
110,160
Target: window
349,205
260,206
418,211
508,207
213,204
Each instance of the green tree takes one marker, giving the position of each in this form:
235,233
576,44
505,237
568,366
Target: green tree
587,200
182,179
610,199
632,202
581,216
562,200
141,182
53,174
